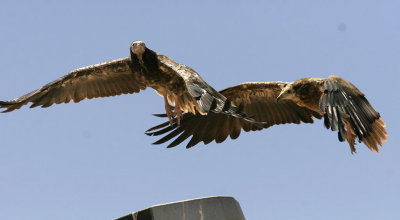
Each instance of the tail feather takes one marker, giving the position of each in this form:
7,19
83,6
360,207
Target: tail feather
348,111
376,135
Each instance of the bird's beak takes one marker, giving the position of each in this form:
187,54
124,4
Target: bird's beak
279,97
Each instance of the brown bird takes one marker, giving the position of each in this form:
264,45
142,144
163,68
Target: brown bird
344,108
179,84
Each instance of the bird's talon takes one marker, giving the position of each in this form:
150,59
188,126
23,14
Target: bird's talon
178,114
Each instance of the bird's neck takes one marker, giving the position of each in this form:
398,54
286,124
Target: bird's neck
310,97
146,62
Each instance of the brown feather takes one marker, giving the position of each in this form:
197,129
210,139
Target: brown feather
258,101
94,81
376,135
350,136
344,107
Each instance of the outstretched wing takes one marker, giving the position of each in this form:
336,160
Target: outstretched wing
347,111
101,80
257,100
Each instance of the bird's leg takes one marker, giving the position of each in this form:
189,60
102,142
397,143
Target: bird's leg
168,109
178,111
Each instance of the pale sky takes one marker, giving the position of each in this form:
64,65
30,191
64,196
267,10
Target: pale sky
92,160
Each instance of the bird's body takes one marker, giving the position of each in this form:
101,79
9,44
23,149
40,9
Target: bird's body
343,107
178,84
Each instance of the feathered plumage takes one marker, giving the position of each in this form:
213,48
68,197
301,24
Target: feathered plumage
343,107
258,100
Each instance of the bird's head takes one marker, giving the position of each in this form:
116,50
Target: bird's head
302,92
288,93
138,48
297,91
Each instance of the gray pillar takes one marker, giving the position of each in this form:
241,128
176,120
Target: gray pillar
209,208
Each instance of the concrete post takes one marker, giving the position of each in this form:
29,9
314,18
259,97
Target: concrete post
209,208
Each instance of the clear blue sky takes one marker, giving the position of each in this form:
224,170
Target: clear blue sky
92,160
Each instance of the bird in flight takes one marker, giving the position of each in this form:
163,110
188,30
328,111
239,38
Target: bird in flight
178,84
343,107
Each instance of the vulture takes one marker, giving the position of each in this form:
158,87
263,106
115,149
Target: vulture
343,107
179,84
